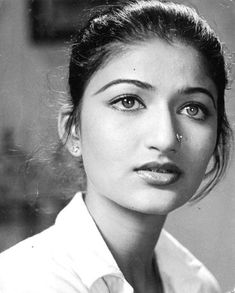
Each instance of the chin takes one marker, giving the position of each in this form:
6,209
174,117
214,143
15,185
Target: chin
157,203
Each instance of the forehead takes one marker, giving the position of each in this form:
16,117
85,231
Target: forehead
156,62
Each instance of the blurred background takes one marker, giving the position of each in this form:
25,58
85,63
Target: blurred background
37,176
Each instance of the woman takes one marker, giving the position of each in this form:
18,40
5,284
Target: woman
147,116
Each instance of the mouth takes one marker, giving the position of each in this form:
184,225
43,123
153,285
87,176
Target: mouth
159,174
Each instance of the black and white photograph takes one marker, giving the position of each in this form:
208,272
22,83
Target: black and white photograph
117,163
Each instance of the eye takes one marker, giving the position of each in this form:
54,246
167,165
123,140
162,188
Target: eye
127,103
195,111
192,110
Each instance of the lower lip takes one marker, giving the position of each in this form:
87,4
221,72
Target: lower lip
158,178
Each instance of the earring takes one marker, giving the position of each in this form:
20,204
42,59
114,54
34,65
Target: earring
179,137
75,149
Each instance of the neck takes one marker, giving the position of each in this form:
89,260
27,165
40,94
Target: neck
131,237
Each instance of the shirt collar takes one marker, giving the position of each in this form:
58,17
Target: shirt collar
91,259
85,246
179,268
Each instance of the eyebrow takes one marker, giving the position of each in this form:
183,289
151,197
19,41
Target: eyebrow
195,90
145,85
138,83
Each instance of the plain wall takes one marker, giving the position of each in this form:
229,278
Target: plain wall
30,75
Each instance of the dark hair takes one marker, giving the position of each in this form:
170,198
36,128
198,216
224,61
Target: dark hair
114,26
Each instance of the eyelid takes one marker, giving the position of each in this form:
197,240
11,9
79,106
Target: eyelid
201,106
195,103
121,97
200,91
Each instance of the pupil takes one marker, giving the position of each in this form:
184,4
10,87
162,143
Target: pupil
128,103
193,110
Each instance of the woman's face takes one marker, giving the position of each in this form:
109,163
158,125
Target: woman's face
148,127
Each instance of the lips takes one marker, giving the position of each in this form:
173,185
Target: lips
159,174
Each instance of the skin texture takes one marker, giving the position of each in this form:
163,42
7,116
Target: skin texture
117,136
115,142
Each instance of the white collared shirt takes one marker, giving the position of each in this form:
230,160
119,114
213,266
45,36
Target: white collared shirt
72,257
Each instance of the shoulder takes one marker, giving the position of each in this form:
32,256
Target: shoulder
37,264
23,263
181,269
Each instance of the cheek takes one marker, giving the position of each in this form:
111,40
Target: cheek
197,152
201,147
103,140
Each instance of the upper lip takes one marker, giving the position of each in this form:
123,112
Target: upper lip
157,167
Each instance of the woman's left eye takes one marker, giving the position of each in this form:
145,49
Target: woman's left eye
127,103
194,111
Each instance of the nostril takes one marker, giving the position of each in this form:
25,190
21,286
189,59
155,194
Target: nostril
166,141
161,130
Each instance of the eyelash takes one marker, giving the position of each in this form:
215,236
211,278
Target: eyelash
135,99
199,107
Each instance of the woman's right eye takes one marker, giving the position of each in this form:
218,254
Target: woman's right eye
127,103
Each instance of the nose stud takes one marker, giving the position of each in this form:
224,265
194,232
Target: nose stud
179,137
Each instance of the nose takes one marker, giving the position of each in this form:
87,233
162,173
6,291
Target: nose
162,130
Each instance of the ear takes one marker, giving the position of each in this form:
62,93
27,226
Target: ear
71,139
